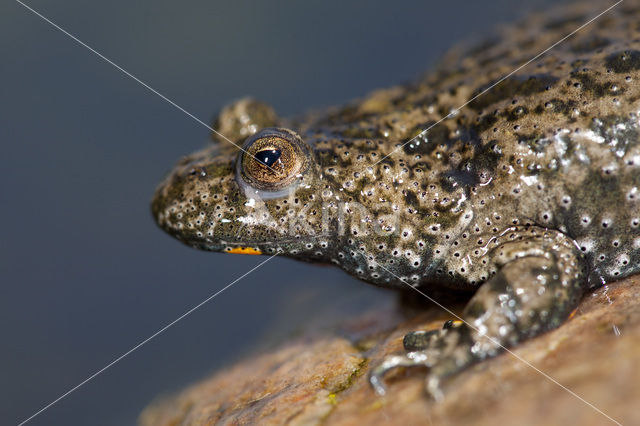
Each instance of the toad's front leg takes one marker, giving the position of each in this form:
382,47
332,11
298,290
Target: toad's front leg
538,278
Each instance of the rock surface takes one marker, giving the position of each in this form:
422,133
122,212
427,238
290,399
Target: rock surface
589,364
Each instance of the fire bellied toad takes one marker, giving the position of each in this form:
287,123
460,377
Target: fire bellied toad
529,194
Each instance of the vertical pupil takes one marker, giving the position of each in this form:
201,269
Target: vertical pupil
268,156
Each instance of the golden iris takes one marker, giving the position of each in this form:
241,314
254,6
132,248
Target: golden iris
273,158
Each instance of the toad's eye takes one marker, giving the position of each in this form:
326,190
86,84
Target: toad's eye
272,159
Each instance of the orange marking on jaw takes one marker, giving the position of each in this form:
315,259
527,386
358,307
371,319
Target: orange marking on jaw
243,250
573,313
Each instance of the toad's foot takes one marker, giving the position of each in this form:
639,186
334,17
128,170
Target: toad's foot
539,281
435,349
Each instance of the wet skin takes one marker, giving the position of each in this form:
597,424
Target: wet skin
528,195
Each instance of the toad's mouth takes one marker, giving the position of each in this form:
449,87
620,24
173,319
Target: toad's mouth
253,247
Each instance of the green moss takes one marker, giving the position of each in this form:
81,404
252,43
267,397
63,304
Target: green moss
359,370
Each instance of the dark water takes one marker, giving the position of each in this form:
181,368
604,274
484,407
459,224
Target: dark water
84,273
